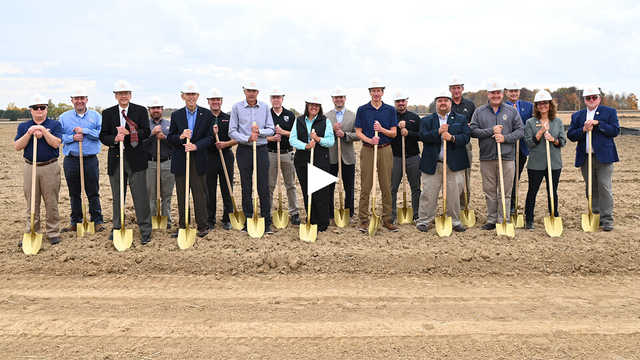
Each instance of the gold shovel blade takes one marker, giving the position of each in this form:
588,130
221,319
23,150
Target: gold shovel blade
280,219
517,220
443,225
158,222
31,243
308,232
85,228
237,220
505,229
468,218
553,226
590,223
255,227
405,215
341,217
186,238
374,224
122,239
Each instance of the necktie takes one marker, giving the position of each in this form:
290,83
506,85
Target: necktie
133,130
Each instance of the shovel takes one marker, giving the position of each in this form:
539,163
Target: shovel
122,238
341,215
158,221
517,219
467,216
309,232
280,217
590,221
552,224
374,222
32,241
237,217
186,236
504,228
443,223
255,224
405,214
87,227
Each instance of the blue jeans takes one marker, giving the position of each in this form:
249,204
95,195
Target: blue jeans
71,167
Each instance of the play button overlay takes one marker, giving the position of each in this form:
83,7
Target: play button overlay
318,178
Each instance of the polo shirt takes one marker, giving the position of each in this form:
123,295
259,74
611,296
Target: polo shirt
386,115
45,151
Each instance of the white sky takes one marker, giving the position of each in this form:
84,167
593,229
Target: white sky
307,48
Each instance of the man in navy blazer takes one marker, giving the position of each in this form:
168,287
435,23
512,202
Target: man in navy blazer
437,129
603,123
195,123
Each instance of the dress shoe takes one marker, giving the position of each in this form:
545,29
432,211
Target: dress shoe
459,228
364,226
211,225
488,226
529,225
202,233
54,240
99,228
70,228
226,225
145,239
389,226
607,227
175,234
268,230
295,219
422,227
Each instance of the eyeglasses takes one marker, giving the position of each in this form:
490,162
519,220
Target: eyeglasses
39,107
591,98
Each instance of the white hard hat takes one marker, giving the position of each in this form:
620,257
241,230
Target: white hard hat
338,91
443,94
155,102
400,95
542,95
591,90
250,85
121,85
455,80
376,83
214,94
313,100
494,86
78,92
513,86
276,92
38,99
190,87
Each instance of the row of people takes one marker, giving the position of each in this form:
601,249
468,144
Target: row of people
518,125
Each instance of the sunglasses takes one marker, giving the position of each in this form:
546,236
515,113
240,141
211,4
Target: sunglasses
591,98
39,107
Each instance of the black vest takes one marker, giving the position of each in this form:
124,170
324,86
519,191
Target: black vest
320,153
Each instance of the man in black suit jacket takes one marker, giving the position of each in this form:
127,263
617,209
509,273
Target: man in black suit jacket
129,123
195,123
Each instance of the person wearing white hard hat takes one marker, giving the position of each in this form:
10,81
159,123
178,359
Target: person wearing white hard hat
409,127
283,119
465,107
543,126
82,125
342,120
494,123
603,125
159,131
215,171
195,123
251,121
48,133
525,108
440,129
313,130
370,117
128,123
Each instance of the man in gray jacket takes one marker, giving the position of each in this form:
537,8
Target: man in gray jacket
343,120
496,123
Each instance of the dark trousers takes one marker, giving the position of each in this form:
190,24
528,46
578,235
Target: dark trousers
215,172
523,161
320,209
198,189
535,179
244,156
71,167
348,181
138,184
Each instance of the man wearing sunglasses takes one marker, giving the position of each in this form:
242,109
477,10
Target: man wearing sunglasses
48,133
81,125
602,122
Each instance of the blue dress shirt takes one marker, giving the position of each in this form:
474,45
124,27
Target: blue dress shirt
191,118
326,141
90,122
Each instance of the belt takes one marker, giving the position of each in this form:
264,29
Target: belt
84,156
282,151
162,159
379,145
250,146
42,163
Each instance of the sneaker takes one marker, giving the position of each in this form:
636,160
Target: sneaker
459,228
422,227
268,230
390,227
607,227
226,225
529,225
295,219
146,239
488,226
211,225
99,228
54,240
364,226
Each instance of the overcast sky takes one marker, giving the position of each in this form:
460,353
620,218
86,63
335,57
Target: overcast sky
309,47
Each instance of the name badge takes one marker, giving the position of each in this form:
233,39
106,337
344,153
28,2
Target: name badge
504,117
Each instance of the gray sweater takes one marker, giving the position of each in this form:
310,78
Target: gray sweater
482,123
538,149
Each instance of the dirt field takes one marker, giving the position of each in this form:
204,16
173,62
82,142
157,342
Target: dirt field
397,295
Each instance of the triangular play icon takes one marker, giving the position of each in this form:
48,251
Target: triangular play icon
318,179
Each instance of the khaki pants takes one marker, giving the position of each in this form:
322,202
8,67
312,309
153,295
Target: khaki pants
491,187
385,167
47,188
167,182
466,178
431,185
288,175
